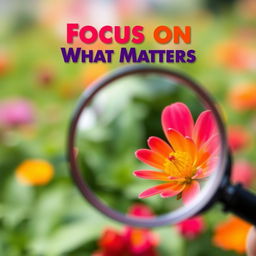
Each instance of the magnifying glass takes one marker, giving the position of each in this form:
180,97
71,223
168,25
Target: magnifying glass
151,135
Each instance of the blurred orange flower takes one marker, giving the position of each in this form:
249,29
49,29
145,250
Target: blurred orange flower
231,234
235,55
238,138
243,97
93,72
34,172
4,63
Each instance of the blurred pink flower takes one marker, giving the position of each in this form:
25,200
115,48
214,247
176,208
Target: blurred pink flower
140,210
131,8
243,172
191,228
130,241
16,112
238,137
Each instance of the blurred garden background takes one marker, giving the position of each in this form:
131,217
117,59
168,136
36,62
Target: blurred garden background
41,211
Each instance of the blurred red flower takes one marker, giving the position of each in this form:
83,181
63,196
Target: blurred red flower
16,112
243,172
238,138
191,228
130,241
45,76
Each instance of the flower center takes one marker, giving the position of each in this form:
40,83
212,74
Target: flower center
179,164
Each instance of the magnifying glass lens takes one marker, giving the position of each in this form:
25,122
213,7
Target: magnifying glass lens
150,139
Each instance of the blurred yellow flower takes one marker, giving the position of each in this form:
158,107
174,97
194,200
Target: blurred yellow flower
231,234
34,172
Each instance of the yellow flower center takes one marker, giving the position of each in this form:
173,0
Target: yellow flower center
180,164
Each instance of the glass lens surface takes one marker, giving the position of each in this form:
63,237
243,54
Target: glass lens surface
147,139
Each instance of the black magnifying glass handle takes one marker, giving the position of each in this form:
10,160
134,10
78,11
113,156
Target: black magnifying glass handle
240,201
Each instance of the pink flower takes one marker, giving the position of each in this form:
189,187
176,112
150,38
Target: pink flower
238,138
190,156
243,172
191,228
15,112
140,210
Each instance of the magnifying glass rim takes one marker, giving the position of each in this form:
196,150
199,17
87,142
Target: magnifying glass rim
179,214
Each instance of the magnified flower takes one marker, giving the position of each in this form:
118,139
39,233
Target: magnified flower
189,157
243,172
34,172
231,234
191,228
130,241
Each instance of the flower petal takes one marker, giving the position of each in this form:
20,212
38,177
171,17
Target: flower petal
212,145
178,117
203,157
191,148
177,140
151,158
204,128
211,166
155,190
172,191
159,146
151,175
190,192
